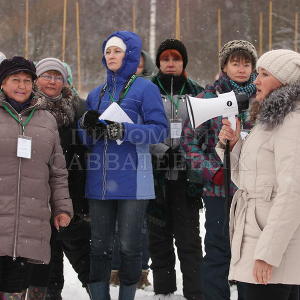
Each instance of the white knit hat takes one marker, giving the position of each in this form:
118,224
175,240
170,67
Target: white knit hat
283,64
115,41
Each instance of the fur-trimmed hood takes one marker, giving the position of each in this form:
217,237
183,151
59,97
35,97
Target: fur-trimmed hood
278,105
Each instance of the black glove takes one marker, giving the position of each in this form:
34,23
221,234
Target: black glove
95,128
115,130
89,119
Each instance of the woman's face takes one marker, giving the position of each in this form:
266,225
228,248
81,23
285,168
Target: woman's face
170,64
51,83
18,86
265,83
114,58
238,70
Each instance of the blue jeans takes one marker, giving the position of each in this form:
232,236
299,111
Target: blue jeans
145,249
129,214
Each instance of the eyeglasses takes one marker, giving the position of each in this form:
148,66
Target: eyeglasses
52,78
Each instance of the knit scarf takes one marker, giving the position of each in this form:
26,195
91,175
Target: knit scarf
224,85
63,107
166,80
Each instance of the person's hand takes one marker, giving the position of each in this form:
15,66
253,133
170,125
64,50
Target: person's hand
115,130
89,119
262,272
228,134
61,220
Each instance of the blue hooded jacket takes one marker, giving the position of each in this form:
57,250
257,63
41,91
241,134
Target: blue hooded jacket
125,171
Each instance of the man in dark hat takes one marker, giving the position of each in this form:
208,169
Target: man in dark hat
174,215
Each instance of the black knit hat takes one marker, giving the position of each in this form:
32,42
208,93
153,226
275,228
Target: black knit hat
15,65
172,44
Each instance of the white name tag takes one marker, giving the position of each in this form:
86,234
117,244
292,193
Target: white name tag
24,146
176,129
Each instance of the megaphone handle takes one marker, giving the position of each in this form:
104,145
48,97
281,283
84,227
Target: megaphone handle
232,121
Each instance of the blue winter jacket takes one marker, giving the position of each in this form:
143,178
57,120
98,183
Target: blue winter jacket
125,171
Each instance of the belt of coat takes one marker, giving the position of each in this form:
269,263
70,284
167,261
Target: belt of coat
238,211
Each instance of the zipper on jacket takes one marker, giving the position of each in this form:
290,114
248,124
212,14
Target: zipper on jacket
17,213
104,181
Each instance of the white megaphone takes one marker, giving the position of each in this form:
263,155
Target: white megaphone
227,105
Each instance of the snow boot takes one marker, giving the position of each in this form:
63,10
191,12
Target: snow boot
114,278
13,296
99,290
143,282
127,292
36,293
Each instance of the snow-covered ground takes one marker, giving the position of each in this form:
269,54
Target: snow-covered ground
73,290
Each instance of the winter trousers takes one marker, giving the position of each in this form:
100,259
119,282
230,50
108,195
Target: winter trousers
270,291
14,274
175,218
217,251
74,242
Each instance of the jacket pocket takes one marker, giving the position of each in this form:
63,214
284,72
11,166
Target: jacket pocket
263,206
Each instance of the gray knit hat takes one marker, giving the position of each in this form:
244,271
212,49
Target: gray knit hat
231,46
283,64
51,64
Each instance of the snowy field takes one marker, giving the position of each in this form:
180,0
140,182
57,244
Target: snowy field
73,290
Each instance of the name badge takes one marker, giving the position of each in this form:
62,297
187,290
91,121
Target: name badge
24,146
175,128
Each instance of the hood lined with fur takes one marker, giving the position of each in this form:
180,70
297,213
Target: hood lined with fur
278,105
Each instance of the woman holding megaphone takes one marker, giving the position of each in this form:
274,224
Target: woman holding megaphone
264,219
237,61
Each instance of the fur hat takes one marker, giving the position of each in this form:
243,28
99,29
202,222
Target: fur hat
231,46
51,64
15,65
172,44
283,64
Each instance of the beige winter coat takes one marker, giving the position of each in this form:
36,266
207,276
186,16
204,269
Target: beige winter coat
30,189
265,211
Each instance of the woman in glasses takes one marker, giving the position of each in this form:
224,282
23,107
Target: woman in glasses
33,178
66,107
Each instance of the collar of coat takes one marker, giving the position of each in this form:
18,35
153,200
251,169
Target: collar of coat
37,101
62,108
278,105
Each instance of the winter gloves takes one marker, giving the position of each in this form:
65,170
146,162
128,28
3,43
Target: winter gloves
101,128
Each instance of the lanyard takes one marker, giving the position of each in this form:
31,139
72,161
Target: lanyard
122,94
176,104
17,119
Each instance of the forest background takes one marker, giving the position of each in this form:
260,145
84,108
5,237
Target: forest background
73,30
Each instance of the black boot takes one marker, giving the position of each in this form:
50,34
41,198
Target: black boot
53,294
36,293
